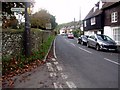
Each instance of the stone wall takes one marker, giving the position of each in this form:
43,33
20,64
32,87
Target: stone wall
12,41
37,38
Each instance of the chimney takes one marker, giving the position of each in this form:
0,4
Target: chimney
96,6
100,4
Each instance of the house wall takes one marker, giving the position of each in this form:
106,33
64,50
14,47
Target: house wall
107,15
98,25
92,32
62,31
111,28
108,31
113,32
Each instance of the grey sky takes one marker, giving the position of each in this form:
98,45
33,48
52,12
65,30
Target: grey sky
66,10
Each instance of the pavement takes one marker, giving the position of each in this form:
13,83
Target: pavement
48,75
41,77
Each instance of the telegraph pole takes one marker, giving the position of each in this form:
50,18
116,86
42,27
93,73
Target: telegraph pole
27,44
80,22
80,18
74,24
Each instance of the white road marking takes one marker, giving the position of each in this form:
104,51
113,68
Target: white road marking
64,76
49,65
55,63
53,74
54,49
112,61
71,84
57,85
67,41
85,50
59,68
53,59
72,44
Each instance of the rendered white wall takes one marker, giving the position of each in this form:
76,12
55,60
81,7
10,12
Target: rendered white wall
91,32
61,31
108,31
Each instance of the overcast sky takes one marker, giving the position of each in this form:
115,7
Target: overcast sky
66,10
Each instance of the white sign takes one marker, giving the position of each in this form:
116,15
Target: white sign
18,9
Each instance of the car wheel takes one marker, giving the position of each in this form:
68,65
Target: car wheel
82,42
88,45
116,51
97,47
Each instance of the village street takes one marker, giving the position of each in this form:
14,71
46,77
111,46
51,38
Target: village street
42,44
73,66
86,67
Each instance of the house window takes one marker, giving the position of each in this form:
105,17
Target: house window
85,23
116,34
92,21
114,17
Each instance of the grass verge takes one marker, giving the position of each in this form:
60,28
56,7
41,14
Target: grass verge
20,63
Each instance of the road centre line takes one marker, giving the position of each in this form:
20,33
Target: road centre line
72,44
82,48
71,84
112,61
85,50
67,41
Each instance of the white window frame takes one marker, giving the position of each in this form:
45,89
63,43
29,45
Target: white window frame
116,34
85,23
114,17
93,21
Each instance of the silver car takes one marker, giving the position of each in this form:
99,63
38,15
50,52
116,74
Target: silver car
100,42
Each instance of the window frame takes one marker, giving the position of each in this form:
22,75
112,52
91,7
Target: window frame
85,25
114,17
93,21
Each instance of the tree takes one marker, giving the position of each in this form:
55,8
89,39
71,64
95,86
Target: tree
6,12
53,22
6,7
41,18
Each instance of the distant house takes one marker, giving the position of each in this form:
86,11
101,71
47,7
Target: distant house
62,31
111,12
93,22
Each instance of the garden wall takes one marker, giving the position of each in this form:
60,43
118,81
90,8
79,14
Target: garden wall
12,41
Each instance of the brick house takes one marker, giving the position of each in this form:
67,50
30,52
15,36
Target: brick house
111,13
104,18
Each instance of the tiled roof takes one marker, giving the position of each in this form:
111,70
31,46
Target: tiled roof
92,13
98,11
108,4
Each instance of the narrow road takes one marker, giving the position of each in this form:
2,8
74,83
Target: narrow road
86,67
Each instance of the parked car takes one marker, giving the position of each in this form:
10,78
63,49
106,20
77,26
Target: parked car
70,35
82,40
101,42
